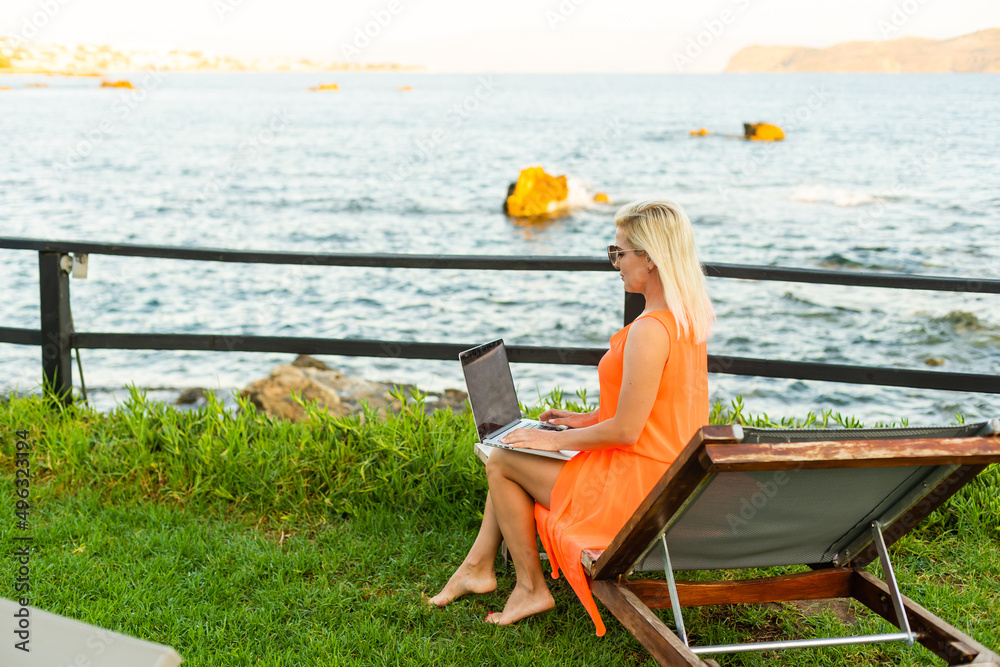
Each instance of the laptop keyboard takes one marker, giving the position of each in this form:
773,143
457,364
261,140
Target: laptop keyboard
541,426
538,426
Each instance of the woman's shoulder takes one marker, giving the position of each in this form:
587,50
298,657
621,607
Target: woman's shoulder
649,340
648,321
653,328
664,316
669,322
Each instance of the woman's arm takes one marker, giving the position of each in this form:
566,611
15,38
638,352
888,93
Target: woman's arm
569,418
646,350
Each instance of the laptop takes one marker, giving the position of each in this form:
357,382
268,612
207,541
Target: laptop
494,399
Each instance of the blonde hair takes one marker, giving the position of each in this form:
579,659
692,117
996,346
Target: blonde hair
661,228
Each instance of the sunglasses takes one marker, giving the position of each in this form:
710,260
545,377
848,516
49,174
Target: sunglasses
615,254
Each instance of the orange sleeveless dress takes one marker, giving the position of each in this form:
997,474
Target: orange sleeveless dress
597,491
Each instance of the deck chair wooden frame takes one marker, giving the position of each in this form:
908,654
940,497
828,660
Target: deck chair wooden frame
935,463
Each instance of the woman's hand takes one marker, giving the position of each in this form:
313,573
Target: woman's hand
529,438
569,419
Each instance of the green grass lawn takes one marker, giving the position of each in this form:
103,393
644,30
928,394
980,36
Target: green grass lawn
242,541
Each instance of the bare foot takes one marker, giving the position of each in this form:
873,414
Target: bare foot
465,581
523,603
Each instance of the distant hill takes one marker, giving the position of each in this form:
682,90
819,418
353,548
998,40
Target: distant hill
975,52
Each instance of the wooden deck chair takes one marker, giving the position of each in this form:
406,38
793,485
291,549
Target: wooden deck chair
834,500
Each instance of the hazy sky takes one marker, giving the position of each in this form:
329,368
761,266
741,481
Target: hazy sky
508,35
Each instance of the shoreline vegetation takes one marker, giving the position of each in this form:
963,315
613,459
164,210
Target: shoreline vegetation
19,56
241,538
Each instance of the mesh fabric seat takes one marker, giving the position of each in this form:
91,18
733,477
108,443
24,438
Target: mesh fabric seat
788,517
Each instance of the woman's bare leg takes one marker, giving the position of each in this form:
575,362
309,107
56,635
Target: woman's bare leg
517,480
475,574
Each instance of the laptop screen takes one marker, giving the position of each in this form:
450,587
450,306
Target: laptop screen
491,387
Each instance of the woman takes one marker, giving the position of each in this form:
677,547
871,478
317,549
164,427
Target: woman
654,396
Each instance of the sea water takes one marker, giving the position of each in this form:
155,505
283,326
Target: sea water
892,173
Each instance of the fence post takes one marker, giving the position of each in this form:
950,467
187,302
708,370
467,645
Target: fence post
634,305
57,327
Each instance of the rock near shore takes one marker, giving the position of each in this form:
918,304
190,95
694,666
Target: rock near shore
335,392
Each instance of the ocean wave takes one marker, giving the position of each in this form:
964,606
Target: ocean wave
412,207
823,194
665,136
795,298
580,197
861,260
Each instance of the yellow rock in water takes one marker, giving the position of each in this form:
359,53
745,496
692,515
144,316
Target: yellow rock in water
404,88
601,198
326,86
699,133
116,84
762,132
536,193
